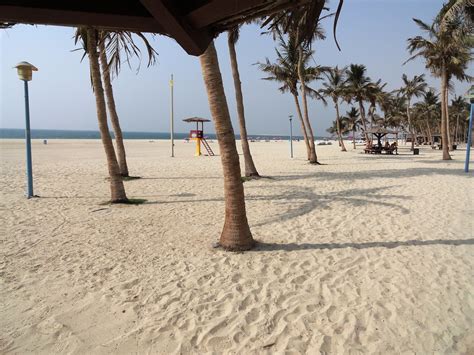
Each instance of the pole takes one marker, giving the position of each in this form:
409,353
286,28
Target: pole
291,137
172,116
29,165
469,139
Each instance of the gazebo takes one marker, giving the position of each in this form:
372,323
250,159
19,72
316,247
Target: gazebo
379,132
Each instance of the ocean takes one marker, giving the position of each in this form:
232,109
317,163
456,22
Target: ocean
14,133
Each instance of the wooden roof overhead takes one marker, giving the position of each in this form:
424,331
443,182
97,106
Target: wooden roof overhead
192,23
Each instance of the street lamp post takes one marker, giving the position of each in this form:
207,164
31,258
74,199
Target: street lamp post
291,136
25,73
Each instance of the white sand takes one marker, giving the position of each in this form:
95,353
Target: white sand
367,254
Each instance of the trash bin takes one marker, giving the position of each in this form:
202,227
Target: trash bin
455,146
416,151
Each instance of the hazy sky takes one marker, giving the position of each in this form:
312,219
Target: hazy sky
370,32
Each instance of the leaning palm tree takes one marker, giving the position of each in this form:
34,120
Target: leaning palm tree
352,121
357,86
236,233
284,71
114,48
415,87
447,52
304,53
335,87
250,169
90,38
112,45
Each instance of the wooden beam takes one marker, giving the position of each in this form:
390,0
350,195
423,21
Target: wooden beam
41,16
194,42
217,10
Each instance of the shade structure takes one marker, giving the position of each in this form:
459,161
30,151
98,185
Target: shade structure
380,130
196,119
192,23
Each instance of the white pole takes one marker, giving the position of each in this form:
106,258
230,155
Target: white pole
172,117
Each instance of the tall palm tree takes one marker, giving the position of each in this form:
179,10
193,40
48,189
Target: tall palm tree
232,37
236,233
114,48
304,53
117,188
335,87
447,52
358,83
115,43
352,121
428,106
285,72
375,94
415,87
460,110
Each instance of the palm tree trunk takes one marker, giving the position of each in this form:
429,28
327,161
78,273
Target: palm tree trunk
303,128
410,126
354,138
446,103
444,122
117,189
362,118
430,136
236,233
456,131
250,169
109,93
313,159
338,126
371,113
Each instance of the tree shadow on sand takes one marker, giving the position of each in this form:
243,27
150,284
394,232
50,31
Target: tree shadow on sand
303,200
330,246
375,174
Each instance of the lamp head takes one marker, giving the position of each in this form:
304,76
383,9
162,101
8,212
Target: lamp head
25,71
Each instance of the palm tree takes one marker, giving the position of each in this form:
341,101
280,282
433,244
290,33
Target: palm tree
335,87
352,121
284,71
304,54
454,9
117,188
117,42
447,52
427,107
460,110
375,94
357,86
412,88
236,233
113,45
232,37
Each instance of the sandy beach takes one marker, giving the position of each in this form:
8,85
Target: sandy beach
363,255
